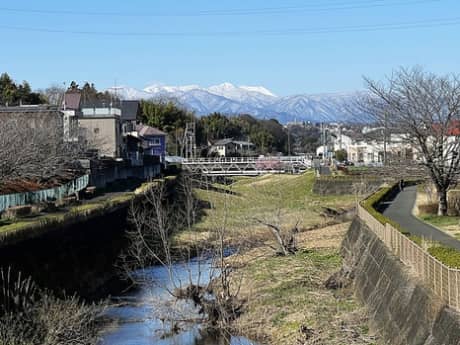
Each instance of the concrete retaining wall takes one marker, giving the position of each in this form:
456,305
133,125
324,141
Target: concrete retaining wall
341,186
100,178
403,310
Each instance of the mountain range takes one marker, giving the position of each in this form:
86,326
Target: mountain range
258,101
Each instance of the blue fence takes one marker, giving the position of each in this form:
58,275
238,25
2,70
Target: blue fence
56,193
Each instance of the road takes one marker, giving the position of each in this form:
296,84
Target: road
400,210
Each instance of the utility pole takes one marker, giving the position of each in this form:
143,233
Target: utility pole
324,135
385,138
289,141
63,104
340,137
190,140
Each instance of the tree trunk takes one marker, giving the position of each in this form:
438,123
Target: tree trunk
442,197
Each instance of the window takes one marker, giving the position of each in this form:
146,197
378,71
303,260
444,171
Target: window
96,130
155,142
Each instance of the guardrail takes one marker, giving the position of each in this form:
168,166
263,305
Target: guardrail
443,280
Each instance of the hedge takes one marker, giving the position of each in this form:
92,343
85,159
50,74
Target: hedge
447,255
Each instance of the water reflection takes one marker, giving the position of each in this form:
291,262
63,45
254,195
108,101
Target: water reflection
143,317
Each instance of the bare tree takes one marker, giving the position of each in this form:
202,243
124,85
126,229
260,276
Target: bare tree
285,239
36,150
207,282
276,220
54,94
426,109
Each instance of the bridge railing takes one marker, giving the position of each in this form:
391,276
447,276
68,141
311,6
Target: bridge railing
284,159
220,160
443,280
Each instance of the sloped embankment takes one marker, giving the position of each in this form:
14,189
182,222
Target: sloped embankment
403,310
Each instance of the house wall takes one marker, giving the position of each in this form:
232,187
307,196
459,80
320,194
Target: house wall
155,149
220,150
34,117
232,148
104,133
365,153
100,178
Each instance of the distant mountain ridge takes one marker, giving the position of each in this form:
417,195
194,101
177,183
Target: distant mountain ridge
229,99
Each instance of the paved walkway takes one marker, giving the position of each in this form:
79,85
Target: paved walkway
400,210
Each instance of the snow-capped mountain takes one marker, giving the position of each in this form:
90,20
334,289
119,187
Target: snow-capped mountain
255,100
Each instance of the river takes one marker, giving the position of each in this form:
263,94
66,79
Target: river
142,316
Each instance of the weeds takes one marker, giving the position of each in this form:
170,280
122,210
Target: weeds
30,316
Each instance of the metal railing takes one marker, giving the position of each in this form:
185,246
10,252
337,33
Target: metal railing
443,280
291,159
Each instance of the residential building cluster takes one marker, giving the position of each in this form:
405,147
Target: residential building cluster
118,146
365,145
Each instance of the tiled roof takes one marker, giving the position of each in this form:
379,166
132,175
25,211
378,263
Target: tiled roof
242,142
147,131
72,100
230,140
129,110
224,141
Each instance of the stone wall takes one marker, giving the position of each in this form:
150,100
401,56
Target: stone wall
400,307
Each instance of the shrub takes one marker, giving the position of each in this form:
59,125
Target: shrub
371,204
29,316
68,321
431,208
448,256
17,294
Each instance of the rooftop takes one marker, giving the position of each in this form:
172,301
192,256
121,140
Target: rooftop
129,110
147,131
28,109
71,100
224,141
101,112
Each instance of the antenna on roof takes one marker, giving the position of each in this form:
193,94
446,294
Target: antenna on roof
63,97
115,89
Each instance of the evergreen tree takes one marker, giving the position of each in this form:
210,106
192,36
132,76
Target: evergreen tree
12,93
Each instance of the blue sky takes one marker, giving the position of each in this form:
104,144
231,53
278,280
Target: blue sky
254,42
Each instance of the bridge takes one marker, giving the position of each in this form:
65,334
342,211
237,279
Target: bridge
246,166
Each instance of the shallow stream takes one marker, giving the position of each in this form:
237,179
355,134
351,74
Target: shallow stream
143,316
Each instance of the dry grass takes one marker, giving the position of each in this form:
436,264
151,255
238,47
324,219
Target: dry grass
448,224
278,199
287,302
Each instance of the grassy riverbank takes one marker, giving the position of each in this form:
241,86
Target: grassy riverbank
13,230
286,301
28,227
279,199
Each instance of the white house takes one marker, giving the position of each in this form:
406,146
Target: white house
368,148
228,147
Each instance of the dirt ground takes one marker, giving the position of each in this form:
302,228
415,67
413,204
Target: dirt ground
286,300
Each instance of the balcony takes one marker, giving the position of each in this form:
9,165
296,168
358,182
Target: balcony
101,112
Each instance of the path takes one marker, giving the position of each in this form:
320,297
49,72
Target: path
400,210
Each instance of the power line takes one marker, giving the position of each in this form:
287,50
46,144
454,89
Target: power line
232,12
284,32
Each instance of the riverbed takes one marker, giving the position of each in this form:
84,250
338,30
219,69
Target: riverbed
147,315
